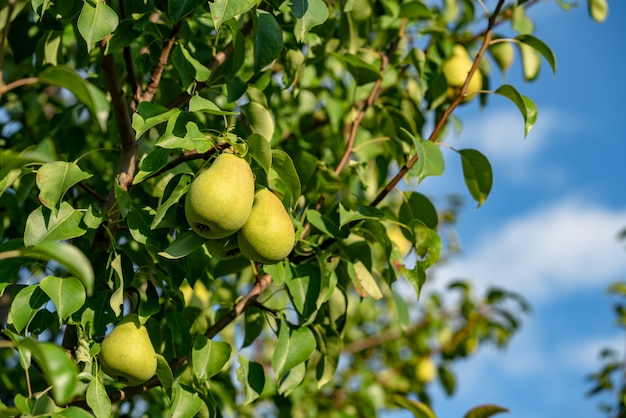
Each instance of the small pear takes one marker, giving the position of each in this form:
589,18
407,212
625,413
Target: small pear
127,354
456,69
219,200
425,370
268,236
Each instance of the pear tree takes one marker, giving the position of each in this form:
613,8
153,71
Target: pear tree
213,208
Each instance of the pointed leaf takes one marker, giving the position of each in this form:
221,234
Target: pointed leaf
260,119
430,159
525,105
68,294
184,245
223,10
42,225
541,47
363,72
294,346
283,165
57,366
485,411
531,61
418,409
252,377
54,179
309,13
186,402
209,357
177,9
364,281
261,151
477,173
199,104
149,115
292,379
98,399
598,9
96,22
25,305
364,212
268,41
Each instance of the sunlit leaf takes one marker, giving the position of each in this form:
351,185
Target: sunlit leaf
55,179
309,13
477,174
541,47
184,245
598,9
417,408
98,399
364,281
284,167
364,212
526,106
209,357
252,377
25,305
186,402
292,379
294,346
149,115
96,22
199,104
67,294
485,411
260,119
43,225
223,10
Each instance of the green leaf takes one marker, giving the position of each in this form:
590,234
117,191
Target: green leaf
418,409
223,10
57,366
98,399
485,411
148,302
153,162
67,255
172,195
364,212
304,288
177,9
598,9
198,103
139,225
55,179
325,224
531,61
260,120
294,346
540,47
149,115
252,377
209,357
309,13
254,322
184,245
164,373
74,412
416,206
268,41
261,151
67,294
42,225
96,22
414,10
362,71
189,68
292,379
525,105
25,306
283,165
477,173
430,159
85,92
186,402
364,281
123,36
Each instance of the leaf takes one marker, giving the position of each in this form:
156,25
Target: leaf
184,245
261,151
477,173
531,62
254,322
294,346
309,13
164,373
252,377
67,255
124,35
85,92
25,306
363,212
139,222
186,402
364,281
189,68
177,9
362,71
325,224
430,159
44,226
172,195
223,10
268,41
418,409
525,105
598,9
304,288
540,47
416,206
149,115
57,366
67,294
485,411
74,412
414,10
260,119
198,103
55,179
283,165
96,22
98,399
292,379
153,162
209,357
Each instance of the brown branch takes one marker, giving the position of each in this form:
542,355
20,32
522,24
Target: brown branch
262,283
17,83
155,79
446,114
131,78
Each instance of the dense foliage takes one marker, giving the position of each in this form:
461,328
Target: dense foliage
110,109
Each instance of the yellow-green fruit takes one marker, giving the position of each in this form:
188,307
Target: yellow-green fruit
219,200
268,235
127,354
503,54
223,248
425,370
456,69
361,10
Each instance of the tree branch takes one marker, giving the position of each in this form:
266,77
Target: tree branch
153,85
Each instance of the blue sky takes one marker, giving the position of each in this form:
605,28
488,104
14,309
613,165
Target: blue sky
549,228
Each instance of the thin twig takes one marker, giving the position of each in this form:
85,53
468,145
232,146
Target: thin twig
3,39
155,80
131,78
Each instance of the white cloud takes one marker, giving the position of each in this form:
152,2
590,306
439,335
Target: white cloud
583,355
568,246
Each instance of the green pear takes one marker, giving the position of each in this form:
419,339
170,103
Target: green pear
456,69
219,200
127,354
223,248
268,236
425,370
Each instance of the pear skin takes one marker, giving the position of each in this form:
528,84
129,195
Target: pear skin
219,200
268,236
456,69
127,354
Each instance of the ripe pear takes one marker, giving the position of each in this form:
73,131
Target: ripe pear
268,236
456,69
219,200
127,354
425,370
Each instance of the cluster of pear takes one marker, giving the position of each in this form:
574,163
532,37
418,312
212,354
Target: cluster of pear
456,69
222,206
